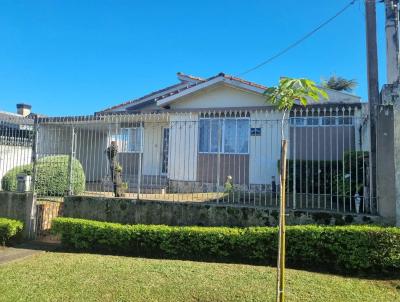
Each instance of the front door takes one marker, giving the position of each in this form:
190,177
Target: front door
165,149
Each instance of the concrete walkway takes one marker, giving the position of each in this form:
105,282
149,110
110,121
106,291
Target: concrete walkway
9,254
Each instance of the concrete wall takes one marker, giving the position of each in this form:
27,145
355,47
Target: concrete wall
385,167
20,206
174,213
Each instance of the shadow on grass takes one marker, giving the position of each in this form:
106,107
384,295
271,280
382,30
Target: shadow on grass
57,247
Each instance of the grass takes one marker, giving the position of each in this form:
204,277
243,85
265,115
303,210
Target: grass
86,277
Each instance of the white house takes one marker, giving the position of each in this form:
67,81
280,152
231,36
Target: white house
205,135
195,134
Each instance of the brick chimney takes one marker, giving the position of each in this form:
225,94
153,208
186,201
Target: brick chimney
24,109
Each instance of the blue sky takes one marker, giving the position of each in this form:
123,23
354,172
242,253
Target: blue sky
77,57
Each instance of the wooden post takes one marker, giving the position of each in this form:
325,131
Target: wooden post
282,221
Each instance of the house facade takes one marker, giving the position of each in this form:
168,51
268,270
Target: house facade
207,139
198,134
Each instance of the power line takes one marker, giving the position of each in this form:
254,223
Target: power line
294,44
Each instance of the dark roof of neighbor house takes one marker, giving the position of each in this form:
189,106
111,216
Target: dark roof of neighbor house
179,88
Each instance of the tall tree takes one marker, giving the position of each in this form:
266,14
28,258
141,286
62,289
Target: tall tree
340,83
284,97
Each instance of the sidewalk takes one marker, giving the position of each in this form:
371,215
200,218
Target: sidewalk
9,254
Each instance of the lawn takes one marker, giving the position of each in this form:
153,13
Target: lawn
86,277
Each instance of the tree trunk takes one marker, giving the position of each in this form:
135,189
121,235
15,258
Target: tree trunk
282,221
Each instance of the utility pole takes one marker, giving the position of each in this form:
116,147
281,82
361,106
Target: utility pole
392,40
373,89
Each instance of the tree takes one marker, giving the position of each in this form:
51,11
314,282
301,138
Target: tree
284,97
340,84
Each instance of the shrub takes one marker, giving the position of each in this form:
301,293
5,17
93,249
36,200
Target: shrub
338,248
311,176
324,176
51,176
9,229
353,174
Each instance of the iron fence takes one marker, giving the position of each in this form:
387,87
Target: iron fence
226,156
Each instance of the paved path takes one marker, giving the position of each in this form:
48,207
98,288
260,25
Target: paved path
24,250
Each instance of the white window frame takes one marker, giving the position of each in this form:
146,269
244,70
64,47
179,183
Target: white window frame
302,121
223,119
121,142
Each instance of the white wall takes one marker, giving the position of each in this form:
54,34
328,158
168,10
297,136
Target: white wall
265,149
13,156
152,147
220,96
182,164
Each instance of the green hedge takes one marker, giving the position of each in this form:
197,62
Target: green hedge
9,229
347,248
329,176
51,176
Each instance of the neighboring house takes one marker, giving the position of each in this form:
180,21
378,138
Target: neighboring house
15,138
192,135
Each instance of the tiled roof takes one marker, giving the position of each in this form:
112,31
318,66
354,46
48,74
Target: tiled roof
227,76
180,89
191,77
141,98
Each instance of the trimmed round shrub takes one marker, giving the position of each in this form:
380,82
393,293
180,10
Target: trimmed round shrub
51,176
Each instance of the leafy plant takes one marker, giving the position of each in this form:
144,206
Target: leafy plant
340,84
9,228
51,176
349,249
352,176
285,95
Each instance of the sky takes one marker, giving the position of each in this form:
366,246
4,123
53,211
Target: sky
77,57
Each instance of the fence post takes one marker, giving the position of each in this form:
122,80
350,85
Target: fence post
139,173
70,162
31,207
219,158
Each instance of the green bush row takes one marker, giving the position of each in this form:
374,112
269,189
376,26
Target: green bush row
51,177
343,177
345,248
9,229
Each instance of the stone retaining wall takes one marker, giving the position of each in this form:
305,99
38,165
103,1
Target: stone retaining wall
130,211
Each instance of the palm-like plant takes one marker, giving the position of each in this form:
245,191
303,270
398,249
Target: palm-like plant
284,97
340,84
